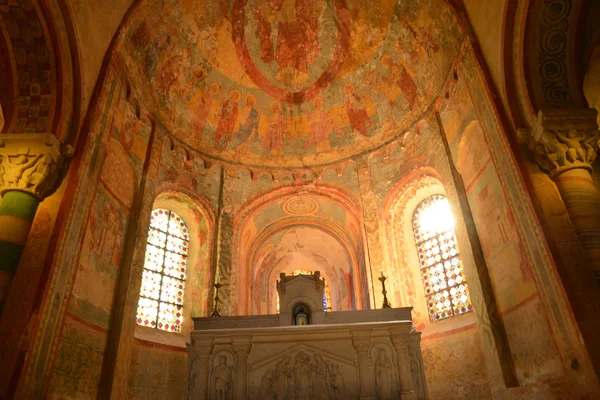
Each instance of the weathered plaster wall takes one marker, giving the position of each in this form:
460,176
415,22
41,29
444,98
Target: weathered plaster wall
120,151
157,372
531,300
487,20
95,23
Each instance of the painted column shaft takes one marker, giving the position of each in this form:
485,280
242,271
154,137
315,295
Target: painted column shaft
582,200
17,210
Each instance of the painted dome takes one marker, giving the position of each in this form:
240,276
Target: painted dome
289,83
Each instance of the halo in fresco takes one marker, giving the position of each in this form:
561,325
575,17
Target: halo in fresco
290,83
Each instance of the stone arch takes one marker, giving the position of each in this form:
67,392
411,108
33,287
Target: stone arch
344,228
551,42
43,81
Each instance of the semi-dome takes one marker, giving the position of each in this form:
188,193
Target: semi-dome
288,83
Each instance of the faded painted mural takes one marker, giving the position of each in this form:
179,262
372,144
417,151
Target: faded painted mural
299,82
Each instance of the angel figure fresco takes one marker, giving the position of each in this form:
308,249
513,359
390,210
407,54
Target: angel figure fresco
274,139
321,126
172,70
381,94
249,119
400,77
297,43
357,114
209,95
229,114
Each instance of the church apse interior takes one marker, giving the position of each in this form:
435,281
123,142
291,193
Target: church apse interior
299,199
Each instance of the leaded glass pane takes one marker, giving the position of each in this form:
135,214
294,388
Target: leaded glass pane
170,317
443,277
157,238
163,280
160,219
147,312
176,245
177,228
175,265
150,284
172,290
154,258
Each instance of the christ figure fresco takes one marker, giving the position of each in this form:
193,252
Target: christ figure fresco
297,43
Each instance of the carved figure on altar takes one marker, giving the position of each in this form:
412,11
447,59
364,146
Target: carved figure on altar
283,379
223,380
302,376
383,376
322,386
297,26
337,383
264,390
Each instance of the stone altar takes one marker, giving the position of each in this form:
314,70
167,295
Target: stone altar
368,354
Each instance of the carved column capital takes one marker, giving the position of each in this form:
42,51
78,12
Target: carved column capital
241,350
399,343
203,351
565,139
32,163
361,345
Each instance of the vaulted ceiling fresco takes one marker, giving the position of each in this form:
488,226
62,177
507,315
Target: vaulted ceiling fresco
289,82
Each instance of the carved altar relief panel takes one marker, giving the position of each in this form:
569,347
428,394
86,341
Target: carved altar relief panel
222,375
385,375
303,372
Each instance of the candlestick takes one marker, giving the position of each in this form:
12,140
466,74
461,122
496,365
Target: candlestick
386,303
215,311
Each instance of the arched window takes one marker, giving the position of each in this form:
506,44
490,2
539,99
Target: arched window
160,303
446,289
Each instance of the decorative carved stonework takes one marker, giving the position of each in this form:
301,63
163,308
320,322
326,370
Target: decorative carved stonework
32,163
565,139
553,57
299,378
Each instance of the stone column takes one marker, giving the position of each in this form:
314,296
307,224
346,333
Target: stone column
241,351
199,388
404,375
565,144
30,166
362,344
375,254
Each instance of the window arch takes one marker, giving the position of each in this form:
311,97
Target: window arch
445,285
160,303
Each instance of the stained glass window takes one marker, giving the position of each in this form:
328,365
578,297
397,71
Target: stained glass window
160,304
446,289
326,294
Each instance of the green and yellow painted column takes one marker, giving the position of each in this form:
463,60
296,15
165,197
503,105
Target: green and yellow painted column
17,210
30,166
565,144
